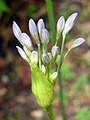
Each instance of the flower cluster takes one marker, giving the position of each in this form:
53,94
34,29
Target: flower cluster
41,60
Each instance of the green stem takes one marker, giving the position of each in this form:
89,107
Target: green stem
50,112
51,19
39,52
60,81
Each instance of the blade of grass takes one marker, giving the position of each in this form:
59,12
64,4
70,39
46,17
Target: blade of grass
51,19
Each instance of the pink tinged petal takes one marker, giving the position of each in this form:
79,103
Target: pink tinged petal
26,41
60,25
17,32
22,53
44,36
77,42
70,23
33,30
40,25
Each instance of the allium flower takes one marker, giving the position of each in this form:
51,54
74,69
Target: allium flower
70,23
40,59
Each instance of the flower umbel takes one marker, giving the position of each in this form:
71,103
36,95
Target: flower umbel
41,60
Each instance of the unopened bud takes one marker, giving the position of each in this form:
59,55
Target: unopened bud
22,54
60,26
17,32
34,57
53,77
40,26
43,69
33,30
70,23
50,55
77,42
44,36
45,59
55,51
26,41
58,59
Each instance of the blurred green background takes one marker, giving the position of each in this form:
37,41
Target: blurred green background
16,99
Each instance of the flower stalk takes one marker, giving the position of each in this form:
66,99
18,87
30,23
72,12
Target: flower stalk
49,111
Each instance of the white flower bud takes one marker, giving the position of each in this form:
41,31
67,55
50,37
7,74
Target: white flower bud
43,69
26,41
44,36
55,51
45,59
77,42
22,54
17,32
40,26
50,55
33,30
57,59
34,57
69,23
60,26
53,77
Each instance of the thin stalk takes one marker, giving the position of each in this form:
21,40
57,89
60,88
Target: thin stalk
39,52
51,19
60,81
49,111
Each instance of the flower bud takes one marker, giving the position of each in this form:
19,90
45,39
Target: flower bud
70,23
60,26
22,54
55,51
26,41
57,59
17,32
77,42
34,57
43,69
53,77
40,26
33,30
44,36
50,55
45,59
41,87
